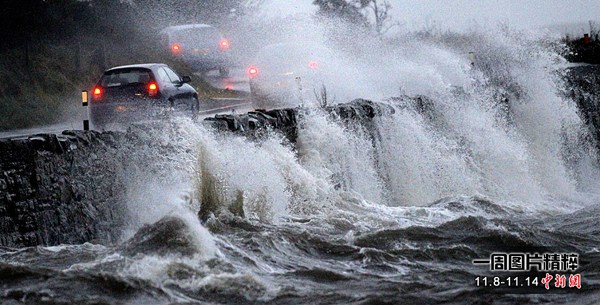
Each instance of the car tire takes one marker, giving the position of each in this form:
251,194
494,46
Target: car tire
224,72
195,108
168,111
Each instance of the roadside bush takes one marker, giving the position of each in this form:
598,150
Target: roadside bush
584,49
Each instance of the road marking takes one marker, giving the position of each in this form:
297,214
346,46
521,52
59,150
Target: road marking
228,98
223,108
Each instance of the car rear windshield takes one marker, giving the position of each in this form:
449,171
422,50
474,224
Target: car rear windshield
125,77
198,37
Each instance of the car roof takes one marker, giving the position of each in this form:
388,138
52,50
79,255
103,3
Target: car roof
143,66
186,27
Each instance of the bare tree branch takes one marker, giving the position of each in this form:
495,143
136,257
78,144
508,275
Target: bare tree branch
381,14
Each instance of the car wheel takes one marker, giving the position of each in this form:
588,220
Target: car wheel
166,112
195,108
224,72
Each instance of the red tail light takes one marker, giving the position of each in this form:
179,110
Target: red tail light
252,71
152,89
175,48
224,44
313,64
97,93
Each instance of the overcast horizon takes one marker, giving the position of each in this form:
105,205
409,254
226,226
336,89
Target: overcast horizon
559,15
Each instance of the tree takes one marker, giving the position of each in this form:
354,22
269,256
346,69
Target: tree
171,12
347,10
359,12
381,13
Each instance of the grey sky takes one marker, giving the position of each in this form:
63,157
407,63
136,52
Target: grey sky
463,14
517,13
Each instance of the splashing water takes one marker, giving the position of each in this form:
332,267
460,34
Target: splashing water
358,212
498,129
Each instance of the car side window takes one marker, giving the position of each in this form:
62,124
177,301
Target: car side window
173,76
163,76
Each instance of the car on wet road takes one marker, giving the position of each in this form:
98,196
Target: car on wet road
282,73
201,46
141,91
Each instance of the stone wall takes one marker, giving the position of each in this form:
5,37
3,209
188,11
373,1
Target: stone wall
56,190
72,188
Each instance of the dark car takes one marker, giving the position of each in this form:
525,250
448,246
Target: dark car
201,46
141,91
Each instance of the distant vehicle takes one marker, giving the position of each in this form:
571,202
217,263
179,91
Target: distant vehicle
140,91
201,46
282,73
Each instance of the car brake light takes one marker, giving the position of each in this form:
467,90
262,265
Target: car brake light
313,64
152,89
97,92
224,44
175,48
252,71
